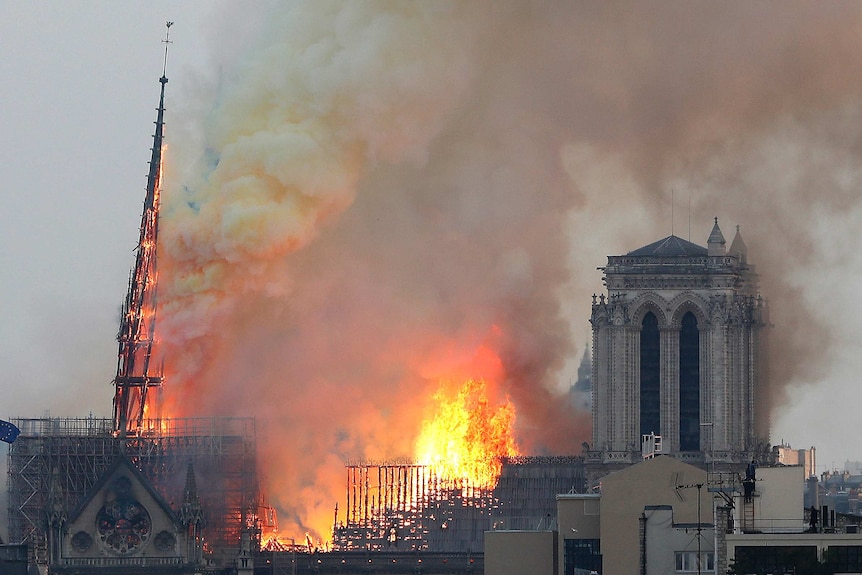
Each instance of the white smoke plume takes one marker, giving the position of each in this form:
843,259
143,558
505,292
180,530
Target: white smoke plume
372,195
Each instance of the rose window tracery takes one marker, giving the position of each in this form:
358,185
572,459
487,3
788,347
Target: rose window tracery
123,524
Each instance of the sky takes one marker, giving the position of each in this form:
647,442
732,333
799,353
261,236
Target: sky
361,199
79,122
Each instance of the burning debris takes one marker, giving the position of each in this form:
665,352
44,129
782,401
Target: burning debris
408,507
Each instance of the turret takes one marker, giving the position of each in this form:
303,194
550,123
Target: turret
738,247
715,243
191,517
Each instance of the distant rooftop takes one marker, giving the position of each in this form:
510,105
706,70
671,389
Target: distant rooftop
670,246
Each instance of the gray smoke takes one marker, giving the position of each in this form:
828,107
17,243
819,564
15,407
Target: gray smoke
371,192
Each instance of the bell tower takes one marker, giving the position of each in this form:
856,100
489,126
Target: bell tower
678,352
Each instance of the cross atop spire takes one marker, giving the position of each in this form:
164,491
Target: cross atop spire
167,42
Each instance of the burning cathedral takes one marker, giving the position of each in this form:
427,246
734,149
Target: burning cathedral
678,367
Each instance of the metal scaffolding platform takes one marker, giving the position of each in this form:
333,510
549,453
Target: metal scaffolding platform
56,462
406,506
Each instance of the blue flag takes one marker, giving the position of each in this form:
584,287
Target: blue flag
8,431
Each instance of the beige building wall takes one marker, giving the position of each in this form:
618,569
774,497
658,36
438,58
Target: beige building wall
626,493
521,552
804,457
578,517
665,536
778,500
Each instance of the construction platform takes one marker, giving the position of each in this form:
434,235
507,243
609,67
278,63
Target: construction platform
55,463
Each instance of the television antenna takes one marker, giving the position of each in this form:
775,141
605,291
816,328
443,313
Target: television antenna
699,487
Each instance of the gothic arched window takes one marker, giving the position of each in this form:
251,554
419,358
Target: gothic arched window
650,408
689,384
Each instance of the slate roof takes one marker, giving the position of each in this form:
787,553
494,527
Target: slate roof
670,246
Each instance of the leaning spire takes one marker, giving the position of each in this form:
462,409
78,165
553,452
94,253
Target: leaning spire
135,374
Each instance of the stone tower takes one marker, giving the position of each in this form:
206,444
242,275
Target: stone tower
678,352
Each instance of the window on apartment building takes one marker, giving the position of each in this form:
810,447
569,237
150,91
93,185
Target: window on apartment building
686,561
844,559
775,559
582,555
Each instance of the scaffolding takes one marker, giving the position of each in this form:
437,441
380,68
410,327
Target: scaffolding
56,462
407,506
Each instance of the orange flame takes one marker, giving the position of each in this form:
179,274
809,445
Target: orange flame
467,436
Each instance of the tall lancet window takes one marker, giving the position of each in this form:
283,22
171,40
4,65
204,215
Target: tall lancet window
650,381
689,384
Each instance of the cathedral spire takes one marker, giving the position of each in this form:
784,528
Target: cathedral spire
135,376
715,244
191,516
190,512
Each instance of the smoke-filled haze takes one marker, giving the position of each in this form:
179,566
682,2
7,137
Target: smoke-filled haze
362,199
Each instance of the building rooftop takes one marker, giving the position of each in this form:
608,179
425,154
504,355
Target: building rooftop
670,246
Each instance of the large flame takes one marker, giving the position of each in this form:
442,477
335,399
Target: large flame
466,437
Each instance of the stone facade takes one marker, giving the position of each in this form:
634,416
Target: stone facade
123,526
679,352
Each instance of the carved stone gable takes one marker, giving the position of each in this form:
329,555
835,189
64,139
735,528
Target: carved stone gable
123,523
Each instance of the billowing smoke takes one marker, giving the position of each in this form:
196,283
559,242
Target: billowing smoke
372,195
